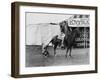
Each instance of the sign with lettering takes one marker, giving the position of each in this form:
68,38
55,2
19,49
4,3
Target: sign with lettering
79,22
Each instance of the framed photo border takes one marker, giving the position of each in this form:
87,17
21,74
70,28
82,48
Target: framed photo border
15,69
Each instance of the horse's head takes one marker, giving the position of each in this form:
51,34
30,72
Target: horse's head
63,26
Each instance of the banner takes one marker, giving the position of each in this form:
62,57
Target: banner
79,22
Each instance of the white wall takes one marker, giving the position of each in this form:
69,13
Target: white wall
5,40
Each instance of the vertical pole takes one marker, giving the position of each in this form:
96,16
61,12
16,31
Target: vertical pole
84,37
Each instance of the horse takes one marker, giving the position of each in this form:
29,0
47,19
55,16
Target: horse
70,35
68,41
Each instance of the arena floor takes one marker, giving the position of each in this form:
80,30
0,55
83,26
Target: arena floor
34,57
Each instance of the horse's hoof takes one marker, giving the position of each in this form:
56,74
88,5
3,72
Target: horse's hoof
54,54
66,56
70,55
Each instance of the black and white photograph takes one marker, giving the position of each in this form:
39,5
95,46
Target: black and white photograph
52,39
57,39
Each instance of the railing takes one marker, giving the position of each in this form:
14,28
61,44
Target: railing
83,40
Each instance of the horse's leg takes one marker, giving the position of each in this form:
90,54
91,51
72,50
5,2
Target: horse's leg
67,52
47,53
70,52
55,47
